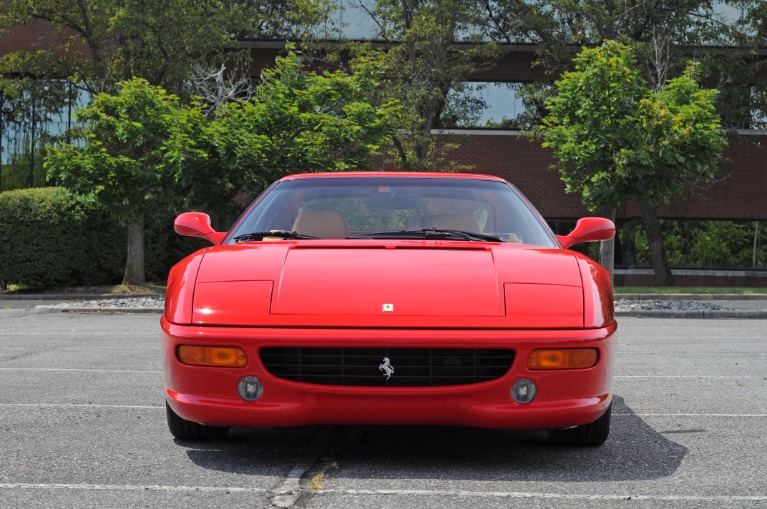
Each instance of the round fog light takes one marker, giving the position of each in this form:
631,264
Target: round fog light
523,391
250,388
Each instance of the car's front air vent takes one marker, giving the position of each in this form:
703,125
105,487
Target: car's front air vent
406,367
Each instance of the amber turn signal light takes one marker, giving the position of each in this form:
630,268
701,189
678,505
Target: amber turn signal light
216,356
563,358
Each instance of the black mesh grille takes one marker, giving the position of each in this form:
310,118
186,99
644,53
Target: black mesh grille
413,367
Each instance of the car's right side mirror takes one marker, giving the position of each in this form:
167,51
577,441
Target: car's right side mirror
588,229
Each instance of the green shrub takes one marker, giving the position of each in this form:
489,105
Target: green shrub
50,239
707,244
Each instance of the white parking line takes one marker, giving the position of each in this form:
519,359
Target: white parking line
79,405
131,334
60,348
83,370
559,496
717,377
638,414
128,487
420,493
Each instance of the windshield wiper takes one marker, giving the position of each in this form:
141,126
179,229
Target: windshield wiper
281,234
429,233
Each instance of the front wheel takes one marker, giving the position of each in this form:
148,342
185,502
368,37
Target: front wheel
188,430
587,435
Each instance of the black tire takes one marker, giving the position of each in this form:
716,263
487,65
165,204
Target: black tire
188,430
587,435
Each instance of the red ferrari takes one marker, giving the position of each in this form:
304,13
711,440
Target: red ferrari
390,299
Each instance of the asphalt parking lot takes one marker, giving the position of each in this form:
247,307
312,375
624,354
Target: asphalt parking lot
83,425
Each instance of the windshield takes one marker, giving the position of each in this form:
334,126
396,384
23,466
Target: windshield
393,207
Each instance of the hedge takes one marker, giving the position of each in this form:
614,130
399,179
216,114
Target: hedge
49,239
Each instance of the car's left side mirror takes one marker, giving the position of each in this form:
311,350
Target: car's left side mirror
588,229
197,224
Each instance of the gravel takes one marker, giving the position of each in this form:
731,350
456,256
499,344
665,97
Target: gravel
117,303
674,305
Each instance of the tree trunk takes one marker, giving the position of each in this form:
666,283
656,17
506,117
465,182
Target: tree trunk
134,265
658,257
756,244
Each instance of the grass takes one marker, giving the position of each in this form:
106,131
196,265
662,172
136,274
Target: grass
147,289
317,481
691,289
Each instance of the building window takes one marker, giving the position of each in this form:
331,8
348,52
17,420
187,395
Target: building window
33,113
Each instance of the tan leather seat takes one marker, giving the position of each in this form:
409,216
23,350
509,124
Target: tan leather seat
454,222
324,224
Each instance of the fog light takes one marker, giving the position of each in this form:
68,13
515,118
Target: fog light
250,388
523,391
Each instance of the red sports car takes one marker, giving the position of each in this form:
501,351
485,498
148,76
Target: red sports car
392,299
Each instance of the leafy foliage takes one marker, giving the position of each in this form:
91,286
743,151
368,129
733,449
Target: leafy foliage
121,162
707,244
53,239
296,121
142,154
119,157
158,40
616,139
663,35
49,238
437,48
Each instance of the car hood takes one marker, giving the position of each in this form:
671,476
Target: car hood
388,284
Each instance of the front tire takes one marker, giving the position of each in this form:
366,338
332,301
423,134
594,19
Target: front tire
188,430
587,435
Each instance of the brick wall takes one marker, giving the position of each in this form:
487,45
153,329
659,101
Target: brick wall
740,196
39,35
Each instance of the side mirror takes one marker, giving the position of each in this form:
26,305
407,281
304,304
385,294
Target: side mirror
197,224
588,229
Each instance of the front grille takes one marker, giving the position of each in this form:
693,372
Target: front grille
413,367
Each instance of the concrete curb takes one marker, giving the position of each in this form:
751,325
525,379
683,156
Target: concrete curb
104,310
688,296
749,314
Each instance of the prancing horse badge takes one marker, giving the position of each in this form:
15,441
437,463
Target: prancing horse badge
386,367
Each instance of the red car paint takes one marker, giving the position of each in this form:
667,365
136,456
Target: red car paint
391,293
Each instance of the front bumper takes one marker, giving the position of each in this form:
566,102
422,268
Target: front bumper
208,395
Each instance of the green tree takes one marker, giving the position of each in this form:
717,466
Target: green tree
755,35
435,47
159,40
617,139
664,35
296,121
122,160
141,153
